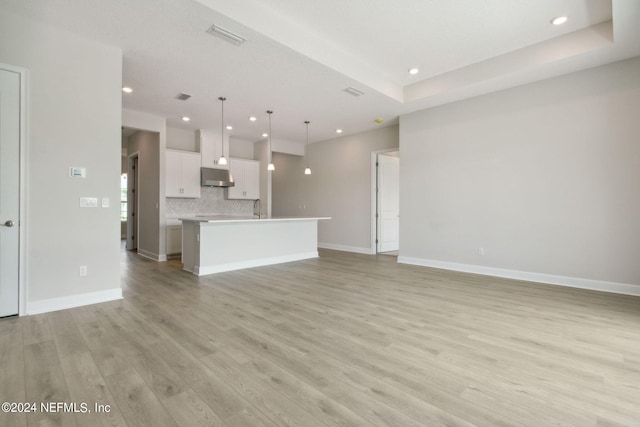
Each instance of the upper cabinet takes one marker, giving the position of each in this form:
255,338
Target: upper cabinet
182,174
246,175
211,148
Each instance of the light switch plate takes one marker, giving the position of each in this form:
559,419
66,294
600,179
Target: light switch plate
105,202
77,172
88,202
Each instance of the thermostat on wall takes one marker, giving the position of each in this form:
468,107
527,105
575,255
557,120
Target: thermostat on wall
76,172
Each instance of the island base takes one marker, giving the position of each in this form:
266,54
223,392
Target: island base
215,247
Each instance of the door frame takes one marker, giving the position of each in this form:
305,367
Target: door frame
22,187
374,197
133,185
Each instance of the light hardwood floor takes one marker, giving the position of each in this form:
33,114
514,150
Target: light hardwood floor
346,339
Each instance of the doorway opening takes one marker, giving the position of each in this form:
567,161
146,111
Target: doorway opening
385,209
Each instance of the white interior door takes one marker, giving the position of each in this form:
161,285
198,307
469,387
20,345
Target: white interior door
388,203
9,191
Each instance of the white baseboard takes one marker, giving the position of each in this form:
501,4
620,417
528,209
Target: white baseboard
152,255
356,249
572,282
203,270
71,301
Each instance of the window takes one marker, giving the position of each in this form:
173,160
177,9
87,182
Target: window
123,197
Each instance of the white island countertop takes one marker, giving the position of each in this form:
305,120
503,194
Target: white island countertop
228,218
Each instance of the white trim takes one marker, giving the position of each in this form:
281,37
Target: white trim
71,301
23,187
24,190
201,271
572,282
374,197
152,255
130,219
356,249
374,202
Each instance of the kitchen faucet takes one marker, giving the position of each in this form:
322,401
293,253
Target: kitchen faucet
256,205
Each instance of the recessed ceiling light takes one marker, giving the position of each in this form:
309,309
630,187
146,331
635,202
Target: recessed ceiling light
413,71
127,89
338,130
229,127
264,135
559,20
252,118
185,119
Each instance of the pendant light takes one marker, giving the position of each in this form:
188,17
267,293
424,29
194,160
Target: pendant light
307,170
223,159
271,166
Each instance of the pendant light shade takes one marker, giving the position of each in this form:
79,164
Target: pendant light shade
223,159
271,166
307,170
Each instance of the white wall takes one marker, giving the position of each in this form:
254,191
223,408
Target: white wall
339,187
287,147
182,139
73,119
240,148
291,193
545,177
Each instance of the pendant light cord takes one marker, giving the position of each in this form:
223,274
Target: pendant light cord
269,112
307,145
222,99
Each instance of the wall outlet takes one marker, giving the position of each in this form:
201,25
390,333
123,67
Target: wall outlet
105,202
82,270
481,251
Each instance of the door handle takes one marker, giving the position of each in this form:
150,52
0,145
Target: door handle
9,223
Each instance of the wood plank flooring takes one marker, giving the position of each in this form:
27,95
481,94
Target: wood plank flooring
343,340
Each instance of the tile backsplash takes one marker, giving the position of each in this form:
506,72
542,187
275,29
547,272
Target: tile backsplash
211,202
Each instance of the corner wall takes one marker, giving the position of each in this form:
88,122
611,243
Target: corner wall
73,119
544,178
339,187
154,203
146,146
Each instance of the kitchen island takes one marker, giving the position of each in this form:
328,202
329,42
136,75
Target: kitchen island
213,244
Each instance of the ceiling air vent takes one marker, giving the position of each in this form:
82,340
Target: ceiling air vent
183,96
353,91
226,35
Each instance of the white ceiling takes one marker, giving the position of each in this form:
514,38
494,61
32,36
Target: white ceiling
300,55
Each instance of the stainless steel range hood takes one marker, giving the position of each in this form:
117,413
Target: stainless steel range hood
211,177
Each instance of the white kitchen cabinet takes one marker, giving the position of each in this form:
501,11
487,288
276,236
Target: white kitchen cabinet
246,175
211,148
182,174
